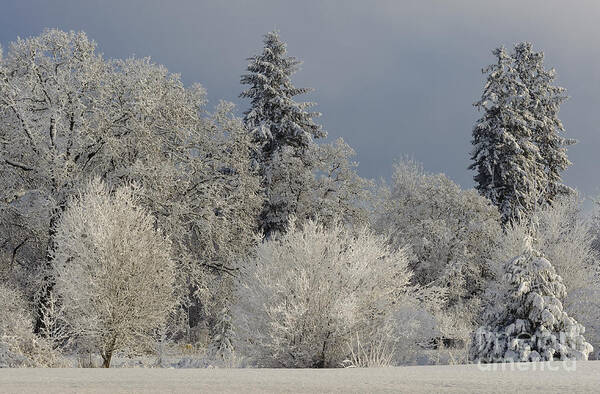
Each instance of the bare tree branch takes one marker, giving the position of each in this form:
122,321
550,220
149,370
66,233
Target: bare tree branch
18,165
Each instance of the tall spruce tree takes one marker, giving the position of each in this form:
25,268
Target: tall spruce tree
507,161
544,103
519,152
283,127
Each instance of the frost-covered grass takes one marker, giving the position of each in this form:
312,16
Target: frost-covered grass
530,377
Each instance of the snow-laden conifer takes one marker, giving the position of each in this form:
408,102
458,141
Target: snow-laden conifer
507,161
283,127
274,116
544,103
526,320
519,152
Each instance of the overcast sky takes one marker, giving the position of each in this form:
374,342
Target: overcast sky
392,78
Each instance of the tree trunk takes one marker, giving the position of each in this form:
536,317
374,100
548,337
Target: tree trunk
107,354
106,357
48,282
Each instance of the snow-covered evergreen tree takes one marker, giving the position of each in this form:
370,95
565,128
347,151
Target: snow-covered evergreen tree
525,320
283,127
543,104
509,164
275,117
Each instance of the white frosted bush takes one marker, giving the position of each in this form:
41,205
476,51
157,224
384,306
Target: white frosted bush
308,295
19,346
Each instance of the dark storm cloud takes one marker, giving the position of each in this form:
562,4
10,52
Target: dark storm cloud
391,77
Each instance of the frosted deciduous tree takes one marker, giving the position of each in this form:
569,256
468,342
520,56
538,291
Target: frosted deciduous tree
451,233
509,166
306,297
283,128
67,115
113,269
525,320
47,88
337,191
207,198
329,191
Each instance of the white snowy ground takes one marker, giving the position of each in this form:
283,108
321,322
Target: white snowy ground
583,377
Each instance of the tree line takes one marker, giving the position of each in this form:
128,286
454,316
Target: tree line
131,216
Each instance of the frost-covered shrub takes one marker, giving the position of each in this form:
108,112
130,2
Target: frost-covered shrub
584,305
525,320
113,270
19,346
413,326
307,295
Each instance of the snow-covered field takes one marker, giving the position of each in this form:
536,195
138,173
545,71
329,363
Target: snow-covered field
582,377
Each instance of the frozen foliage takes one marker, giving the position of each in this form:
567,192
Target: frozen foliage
518,152
305,297
67,115
525,320
113,269
451,232
47,85
207,198
19,346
